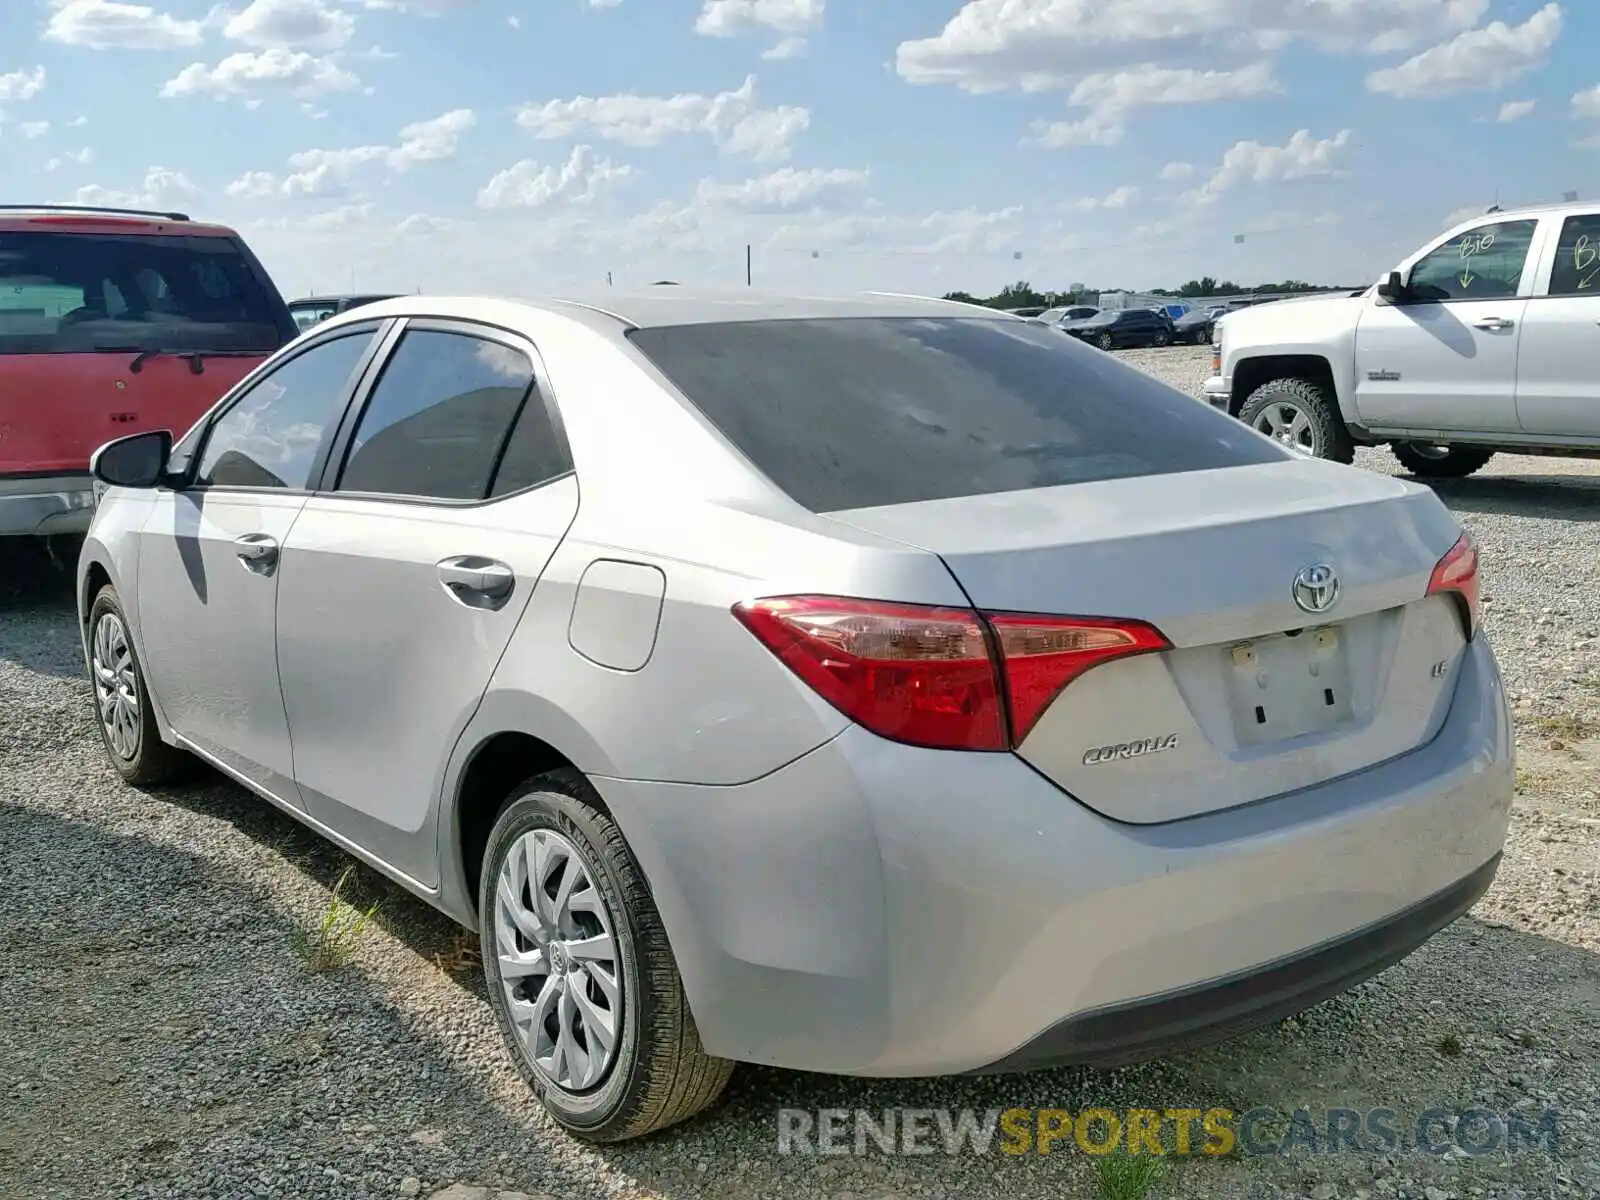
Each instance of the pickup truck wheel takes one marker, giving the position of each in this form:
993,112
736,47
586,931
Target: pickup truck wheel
1429,461
1300,413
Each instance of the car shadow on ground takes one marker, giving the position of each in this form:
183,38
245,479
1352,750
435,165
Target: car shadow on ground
1561,497
36,589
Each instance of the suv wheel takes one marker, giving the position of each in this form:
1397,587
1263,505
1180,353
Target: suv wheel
1162,337
1428,461
127,723
582,981
1302,414
1104,341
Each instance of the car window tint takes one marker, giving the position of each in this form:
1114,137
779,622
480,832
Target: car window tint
270,436
1577,266
438,417
1484,263
860,412
535,453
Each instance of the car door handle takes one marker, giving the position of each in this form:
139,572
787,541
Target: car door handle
1494,323
474,580
258,550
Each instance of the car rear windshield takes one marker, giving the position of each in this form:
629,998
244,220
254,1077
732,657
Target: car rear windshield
866,411
65,293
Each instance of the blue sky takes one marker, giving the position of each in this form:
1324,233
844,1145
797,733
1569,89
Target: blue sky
918,145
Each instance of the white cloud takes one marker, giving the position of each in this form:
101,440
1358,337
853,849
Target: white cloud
1515,110
111,25
300,74
431,141
731,119
1302,157
81,157
1587,103
1120,197
789,47
603,3
526,184
1175,171
1035,45
293,24
254,185
328,172
729,18
162,188
1485,58
1111,96
21,85
33,129
785,188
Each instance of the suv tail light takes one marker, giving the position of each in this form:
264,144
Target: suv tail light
1457,574
945,678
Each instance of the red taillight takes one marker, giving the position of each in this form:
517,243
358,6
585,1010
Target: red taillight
930,676
1457,574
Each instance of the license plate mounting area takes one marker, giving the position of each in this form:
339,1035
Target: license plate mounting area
1289,685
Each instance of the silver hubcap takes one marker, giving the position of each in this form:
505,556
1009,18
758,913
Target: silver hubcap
116,689
1425,450
1287,423
557,956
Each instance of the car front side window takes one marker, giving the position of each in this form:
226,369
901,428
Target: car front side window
1484,263
270,436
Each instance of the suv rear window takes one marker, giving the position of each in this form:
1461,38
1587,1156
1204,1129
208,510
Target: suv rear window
67,293
866,411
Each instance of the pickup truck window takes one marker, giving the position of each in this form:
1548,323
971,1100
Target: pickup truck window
1484,263
1577,267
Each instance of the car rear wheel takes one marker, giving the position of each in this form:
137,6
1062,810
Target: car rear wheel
1104,341
1302,414
1430,461
126,721
580,974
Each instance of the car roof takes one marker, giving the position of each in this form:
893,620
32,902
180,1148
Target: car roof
678,305
76,218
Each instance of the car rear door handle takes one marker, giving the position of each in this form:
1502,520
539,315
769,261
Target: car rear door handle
1494,323
259,551
476,581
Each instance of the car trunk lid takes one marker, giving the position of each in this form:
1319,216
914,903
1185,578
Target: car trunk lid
1255,697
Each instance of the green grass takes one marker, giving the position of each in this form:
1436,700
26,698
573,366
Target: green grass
1450,1046
1123,1176
1568,726
332,942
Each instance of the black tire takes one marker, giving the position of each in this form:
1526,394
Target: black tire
661,1074
153,762
1455,462
1329,437
1105,341
1162,338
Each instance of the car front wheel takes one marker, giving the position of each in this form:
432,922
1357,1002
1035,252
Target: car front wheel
1427,461
126,722
1301,414
1104,341
1162,337
583,982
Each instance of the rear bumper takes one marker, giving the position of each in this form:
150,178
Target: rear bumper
46,504
877,909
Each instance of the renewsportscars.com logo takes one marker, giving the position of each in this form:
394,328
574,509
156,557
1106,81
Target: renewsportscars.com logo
1214,1132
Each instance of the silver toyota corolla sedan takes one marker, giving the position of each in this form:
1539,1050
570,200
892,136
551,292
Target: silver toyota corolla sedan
875,685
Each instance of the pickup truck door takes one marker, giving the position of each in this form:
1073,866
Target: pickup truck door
1446,358
1558,372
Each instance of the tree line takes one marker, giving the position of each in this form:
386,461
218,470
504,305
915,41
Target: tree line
1024,295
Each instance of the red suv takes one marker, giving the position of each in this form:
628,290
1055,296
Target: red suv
112,322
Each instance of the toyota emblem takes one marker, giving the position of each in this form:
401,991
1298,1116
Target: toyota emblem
1316,588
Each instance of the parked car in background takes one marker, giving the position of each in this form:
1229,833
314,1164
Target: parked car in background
1071,312
1124,329
1028,311
313,310
1175,311
701,801
1486,339
114,321
1194,327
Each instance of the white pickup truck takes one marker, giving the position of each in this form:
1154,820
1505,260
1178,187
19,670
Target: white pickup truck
1486,339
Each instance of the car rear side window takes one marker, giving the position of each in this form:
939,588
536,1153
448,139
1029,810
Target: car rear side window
1577,267
438,418
270,436
73,293
861,412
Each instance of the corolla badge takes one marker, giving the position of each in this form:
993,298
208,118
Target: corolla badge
1316,588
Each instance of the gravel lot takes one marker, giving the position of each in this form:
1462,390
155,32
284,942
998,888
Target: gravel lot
162,1038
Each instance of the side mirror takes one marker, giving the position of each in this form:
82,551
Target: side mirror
1392,288
136,461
